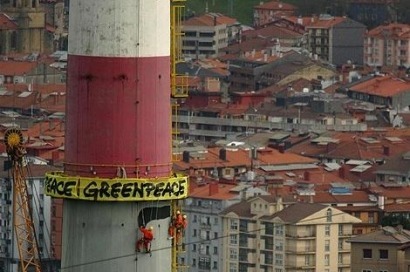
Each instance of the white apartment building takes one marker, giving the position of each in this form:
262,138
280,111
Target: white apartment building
388,45
205,35
204,232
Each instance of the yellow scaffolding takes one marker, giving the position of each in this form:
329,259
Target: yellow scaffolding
179,83
179,91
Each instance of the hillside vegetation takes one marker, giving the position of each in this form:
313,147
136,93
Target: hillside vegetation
243,9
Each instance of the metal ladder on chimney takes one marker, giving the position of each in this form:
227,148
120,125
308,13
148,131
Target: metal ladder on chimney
178,242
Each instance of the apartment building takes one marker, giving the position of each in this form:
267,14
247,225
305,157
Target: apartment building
383,250
47,218
338,40
395,172
205,35
388,45
272,235
271,11
204,231
385,90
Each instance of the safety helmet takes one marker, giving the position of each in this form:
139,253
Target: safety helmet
151,227
184,216
178,212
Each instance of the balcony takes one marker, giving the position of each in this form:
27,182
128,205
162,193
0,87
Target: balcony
300,267
302,235
345,249
205,226
301,252
345,234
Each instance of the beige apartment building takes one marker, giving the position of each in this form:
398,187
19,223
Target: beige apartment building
269,234
388,45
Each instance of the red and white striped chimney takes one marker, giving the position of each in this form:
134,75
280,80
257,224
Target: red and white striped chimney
118,103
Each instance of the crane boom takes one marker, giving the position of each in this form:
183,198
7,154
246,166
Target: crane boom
22,219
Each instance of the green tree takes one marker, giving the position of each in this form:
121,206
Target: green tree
394,220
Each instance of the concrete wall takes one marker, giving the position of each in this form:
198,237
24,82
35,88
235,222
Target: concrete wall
347,39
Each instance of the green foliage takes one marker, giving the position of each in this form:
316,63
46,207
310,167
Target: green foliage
242,10
395,220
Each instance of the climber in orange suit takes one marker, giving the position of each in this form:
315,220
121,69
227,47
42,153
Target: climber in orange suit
146,239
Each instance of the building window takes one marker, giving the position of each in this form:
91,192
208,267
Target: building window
193,262
366,270
269,243
371,217
194,247
279,246
233,267
278,229
215,250
278,259
327,245
307,260
13,40
340,245
384,254
327,260
269,228
340,229
367,253
329,215
195,218
234,224
194,233
233,239
233,254
383,271
327,230
204,263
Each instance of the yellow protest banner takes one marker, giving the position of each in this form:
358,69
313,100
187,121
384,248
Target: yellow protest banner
117,189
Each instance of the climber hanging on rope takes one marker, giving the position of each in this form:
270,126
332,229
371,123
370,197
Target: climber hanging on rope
177,226
146,239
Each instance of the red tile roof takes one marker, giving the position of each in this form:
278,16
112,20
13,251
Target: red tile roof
326,198
222,193
240,157
392,31
276,5
209,19
352,145
16,68
305,21
385,86
7,23
272,31
50,97
326,22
